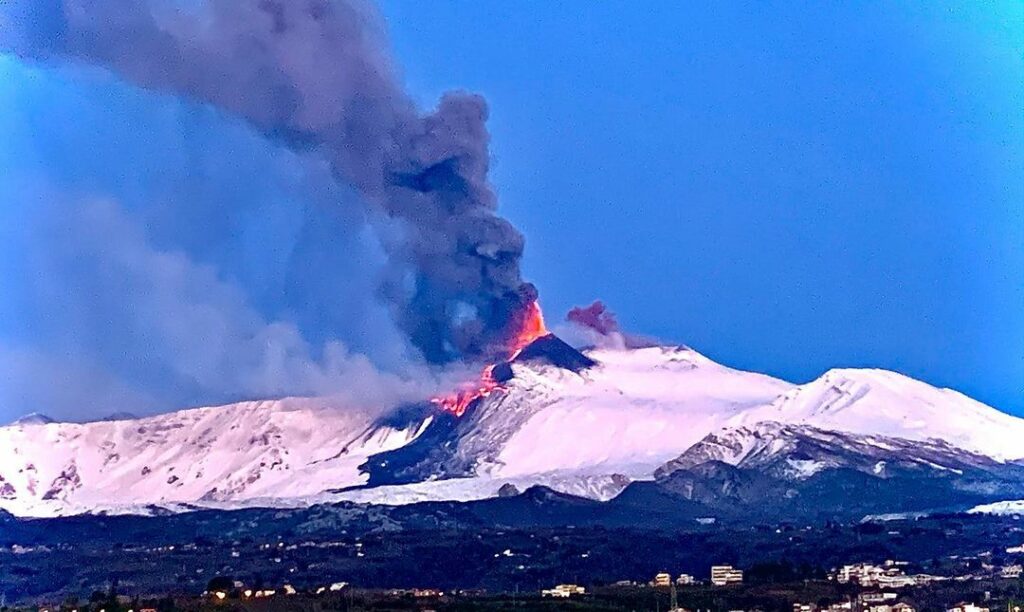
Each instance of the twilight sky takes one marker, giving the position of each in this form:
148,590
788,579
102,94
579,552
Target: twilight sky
786,187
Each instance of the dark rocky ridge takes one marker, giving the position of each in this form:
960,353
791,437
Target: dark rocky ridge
434,454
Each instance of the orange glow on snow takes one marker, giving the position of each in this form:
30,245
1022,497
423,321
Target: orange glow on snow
531,327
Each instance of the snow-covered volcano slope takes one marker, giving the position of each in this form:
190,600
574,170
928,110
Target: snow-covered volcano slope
280,448
870,401
578,431
639,408
631,412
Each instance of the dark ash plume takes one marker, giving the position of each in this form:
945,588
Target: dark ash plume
314,74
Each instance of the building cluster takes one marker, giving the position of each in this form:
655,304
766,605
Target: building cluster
865,602
239,590
1012,572
564,591
685,580
723,575
664,579
882,602
983,567
418,593
881,581
890,575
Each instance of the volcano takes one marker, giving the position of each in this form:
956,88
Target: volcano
527,327
548,349
587,423
434,454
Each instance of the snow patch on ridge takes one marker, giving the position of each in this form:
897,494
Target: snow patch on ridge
1003,508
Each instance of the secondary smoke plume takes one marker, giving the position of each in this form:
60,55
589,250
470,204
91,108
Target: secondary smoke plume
314,74
596,326
596,317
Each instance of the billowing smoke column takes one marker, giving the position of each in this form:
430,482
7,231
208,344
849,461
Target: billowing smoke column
313,74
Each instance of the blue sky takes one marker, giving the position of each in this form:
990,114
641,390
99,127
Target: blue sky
786,187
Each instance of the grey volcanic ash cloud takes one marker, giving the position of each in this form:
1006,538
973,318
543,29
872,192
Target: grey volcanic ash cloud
314,74
384,238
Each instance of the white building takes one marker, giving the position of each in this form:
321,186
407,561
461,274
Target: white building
564,591
864,574
877,598
898,581
1011,571
889,575
722,575
685,580
966,607
662,579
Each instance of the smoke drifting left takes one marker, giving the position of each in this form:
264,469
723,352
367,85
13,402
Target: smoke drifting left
313,77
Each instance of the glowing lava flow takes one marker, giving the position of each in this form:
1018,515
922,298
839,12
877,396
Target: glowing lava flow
531,327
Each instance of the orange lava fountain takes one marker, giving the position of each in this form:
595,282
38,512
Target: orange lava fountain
531,327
